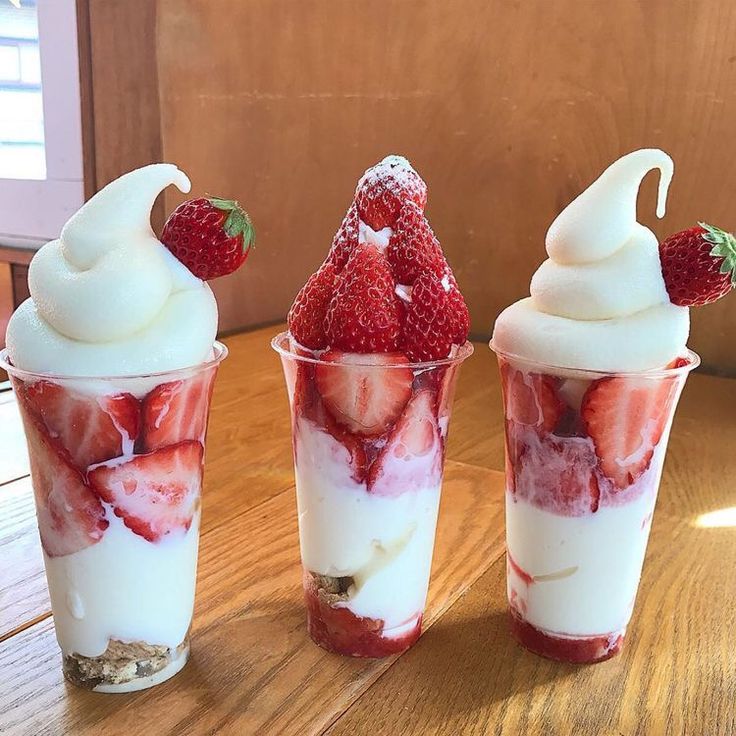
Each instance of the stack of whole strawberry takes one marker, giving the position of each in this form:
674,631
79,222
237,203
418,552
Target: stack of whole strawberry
383,299
385,286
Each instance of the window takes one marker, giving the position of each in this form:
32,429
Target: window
41,179
22,154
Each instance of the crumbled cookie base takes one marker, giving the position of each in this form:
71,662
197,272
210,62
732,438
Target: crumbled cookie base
121,662
332,590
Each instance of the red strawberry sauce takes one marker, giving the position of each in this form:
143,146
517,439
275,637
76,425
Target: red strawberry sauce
520,572
584,650
339,630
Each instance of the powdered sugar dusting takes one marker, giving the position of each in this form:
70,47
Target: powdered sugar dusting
379,238
393,168
396,175
403,292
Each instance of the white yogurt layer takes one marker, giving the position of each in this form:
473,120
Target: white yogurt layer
384,543
124,588
585,569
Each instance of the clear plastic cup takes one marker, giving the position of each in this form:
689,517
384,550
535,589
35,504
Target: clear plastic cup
584,456
369,442
116,468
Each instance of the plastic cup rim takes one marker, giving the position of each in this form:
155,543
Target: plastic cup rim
221,352
463,352
692,357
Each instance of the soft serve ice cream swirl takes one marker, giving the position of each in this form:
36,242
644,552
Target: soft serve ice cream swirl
599,301
107,298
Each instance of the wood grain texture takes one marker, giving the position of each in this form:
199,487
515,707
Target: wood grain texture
674,676
124,93
24,596
6,299
254,669
86,98
508,109
13,452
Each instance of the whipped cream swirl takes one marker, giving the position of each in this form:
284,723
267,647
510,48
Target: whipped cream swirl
599,301
107,298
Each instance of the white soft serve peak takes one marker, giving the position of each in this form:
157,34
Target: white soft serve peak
107,298
597,222
599,301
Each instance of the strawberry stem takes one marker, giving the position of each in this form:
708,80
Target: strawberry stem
238,221
724,246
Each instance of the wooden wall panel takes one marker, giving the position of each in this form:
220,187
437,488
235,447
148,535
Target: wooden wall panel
508,109
119,38
6,303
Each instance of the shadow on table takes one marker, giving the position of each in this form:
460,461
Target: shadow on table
234,656
469,664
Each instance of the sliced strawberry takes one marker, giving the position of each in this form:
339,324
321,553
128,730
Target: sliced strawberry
354,445
70,516
308,404
531,398
626,418
176,411
514,450
91,428
155,494
559,475
365,393
412,457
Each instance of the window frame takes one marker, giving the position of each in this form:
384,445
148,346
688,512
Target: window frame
24,221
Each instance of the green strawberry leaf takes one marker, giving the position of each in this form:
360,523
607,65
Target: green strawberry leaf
238,221
724,246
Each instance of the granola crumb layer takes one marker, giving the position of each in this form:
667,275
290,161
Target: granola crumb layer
331,590
125,666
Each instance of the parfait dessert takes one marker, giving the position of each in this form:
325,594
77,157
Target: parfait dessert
113,360
375,339
592,365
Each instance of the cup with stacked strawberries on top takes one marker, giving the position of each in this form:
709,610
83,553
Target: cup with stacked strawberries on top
592,365
375,340
113,360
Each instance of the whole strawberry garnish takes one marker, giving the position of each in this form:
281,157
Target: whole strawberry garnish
346,238
210,236
436,318
307,314
698,265
459,310
384,188
430,324
365,315
413,247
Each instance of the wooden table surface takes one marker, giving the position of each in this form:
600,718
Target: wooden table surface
253,668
